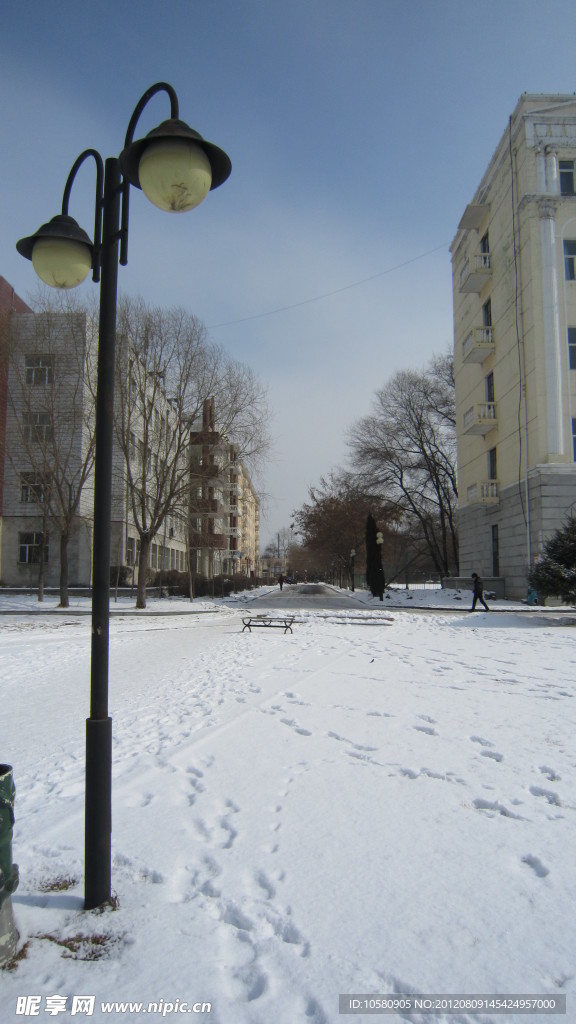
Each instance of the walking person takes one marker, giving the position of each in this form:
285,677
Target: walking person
281,580
478,593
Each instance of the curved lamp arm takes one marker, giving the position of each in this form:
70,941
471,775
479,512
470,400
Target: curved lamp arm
143,101
98,203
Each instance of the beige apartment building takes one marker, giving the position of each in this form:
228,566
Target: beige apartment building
49,448
514,287
48,465
49,456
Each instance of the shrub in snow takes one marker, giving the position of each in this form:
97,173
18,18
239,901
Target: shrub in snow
555,573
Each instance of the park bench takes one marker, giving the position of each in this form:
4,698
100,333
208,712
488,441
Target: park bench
269,621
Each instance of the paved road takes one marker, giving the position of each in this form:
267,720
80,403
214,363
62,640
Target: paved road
306,595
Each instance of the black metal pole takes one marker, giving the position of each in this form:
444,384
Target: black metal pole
98,822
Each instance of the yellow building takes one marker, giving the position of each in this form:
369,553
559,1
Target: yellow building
249,505
514,286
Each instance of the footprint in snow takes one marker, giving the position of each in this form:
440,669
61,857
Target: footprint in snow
550,774
265,884
547,794
492,754
344,739
494,807
537,866
294,725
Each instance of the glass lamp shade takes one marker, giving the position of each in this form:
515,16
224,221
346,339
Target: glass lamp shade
61,263
175,174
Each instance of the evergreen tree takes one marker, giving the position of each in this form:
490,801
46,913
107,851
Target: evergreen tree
374,570
555,574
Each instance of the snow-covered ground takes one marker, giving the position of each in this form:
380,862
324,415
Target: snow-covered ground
362,807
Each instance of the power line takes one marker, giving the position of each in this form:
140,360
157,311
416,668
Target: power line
327,295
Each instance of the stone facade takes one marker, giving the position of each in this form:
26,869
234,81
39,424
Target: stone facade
49,432
49,435
514,287
11,305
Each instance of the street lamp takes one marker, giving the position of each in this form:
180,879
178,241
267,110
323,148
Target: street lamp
175,168
352,557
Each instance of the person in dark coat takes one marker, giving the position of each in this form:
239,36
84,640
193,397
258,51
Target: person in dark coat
478,593
281,580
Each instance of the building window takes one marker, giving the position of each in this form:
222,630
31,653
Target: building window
572,347
39,369
495,552
574,439
38,427
487,313
489,383
29,548
570,260
492,465
32,489
567,177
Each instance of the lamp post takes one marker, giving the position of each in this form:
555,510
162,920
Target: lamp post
352,558
175,168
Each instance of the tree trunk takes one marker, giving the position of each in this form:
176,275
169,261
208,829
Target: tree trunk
190,572
143,560
42,565
64,601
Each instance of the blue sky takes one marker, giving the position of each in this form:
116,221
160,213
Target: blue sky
358,130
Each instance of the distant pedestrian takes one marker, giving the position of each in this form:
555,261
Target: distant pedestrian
281,580
478,593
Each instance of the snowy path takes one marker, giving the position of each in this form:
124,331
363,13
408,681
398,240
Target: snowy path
349,809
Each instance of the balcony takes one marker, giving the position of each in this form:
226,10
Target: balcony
473,216
204,438
475,272
478,345
483,492
207,507
205,470
481,418
208,540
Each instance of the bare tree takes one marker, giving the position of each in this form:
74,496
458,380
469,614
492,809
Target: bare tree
407,449
51,400
242,410
166,370
333,522
279,546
